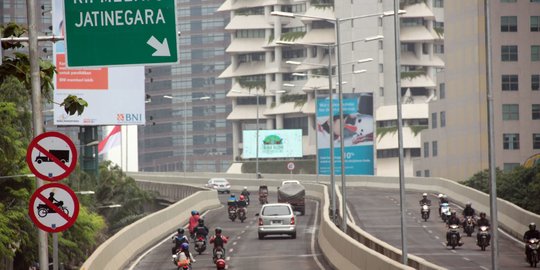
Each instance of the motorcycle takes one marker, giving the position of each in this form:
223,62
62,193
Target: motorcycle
219,258
469,225
44,209
232,213
532,256
425,212
242,214
181,261
445,212
453,230
200,244
483,240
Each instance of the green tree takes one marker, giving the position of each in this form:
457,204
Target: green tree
520,186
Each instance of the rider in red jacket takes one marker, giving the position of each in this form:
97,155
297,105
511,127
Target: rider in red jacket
193,222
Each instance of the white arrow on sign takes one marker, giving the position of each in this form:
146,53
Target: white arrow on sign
162,49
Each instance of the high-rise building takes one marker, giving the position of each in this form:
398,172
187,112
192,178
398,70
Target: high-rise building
456,144
260,67
186,103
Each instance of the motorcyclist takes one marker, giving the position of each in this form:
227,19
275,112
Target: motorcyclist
201,229
242,201
184,248
453,220
468,211
178,239
231,201
425,201
530,234
246,194
193,222
442,199
482,221
219,241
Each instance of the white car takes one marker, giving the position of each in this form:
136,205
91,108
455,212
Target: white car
276,218
219,184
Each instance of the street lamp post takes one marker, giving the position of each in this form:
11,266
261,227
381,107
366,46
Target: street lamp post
185,125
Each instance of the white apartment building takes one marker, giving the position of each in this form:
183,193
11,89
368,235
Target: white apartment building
259,67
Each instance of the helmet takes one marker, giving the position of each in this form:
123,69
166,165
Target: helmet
180,230
424,195
194,212
444,196
532,226
482,215
245,188
218,230
440,195
201,221
469,204
453,212
241,197
232,195
185,246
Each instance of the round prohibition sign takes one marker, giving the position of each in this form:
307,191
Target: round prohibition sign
51,156
290,166
53,215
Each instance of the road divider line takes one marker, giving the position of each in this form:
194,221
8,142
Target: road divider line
315,256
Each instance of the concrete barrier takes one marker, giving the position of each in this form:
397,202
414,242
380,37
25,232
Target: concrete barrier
121,248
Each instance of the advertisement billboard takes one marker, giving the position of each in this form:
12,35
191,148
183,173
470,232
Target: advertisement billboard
358,127
278,143
115,96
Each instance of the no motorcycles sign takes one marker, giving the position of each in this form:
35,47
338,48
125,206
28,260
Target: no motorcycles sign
53,207
51,156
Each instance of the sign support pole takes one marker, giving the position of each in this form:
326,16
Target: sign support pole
55,251
37,117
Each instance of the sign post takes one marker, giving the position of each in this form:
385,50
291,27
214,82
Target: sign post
290,166
107,33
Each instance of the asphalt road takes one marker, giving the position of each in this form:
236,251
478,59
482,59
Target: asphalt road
245,250
377,211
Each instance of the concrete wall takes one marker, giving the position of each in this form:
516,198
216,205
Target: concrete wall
134,239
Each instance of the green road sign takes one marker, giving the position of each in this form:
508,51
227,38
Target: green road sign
120,32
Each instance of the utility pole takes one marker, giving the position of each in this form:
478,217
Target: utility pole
37,118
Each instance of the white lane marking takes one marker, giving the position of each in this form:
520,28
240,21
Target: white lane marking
313,236
436,237
443,243
234,243
158,244
243,231
231,250
454,251
467,259
483,267
228,259
430,231
424,226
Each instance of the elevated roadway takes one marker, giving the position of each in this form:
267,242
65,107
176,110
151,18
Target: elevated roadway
377,211
245,250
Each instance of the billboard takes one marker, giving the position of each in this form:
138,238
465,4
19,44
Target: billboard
358,127
277,143
115,96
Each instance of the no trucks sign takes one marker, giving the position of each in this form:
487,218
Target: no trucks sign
120,32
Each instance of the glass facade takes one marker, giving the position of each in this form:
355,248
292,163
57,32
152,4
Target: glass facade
196,103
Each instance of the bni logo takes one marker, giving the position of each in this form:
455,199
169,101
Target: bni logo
129,117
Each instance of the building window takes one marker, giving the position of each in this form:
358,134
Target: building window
442,90
434,148
536,141
509,82
535,23
508,1
426,173
443,119
510,141
510,111
426,149
381,68
508,167
509,53
434,120
415,152
508,23
438,48
438,3
535,82
536,112
381,91
535,53
418,173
